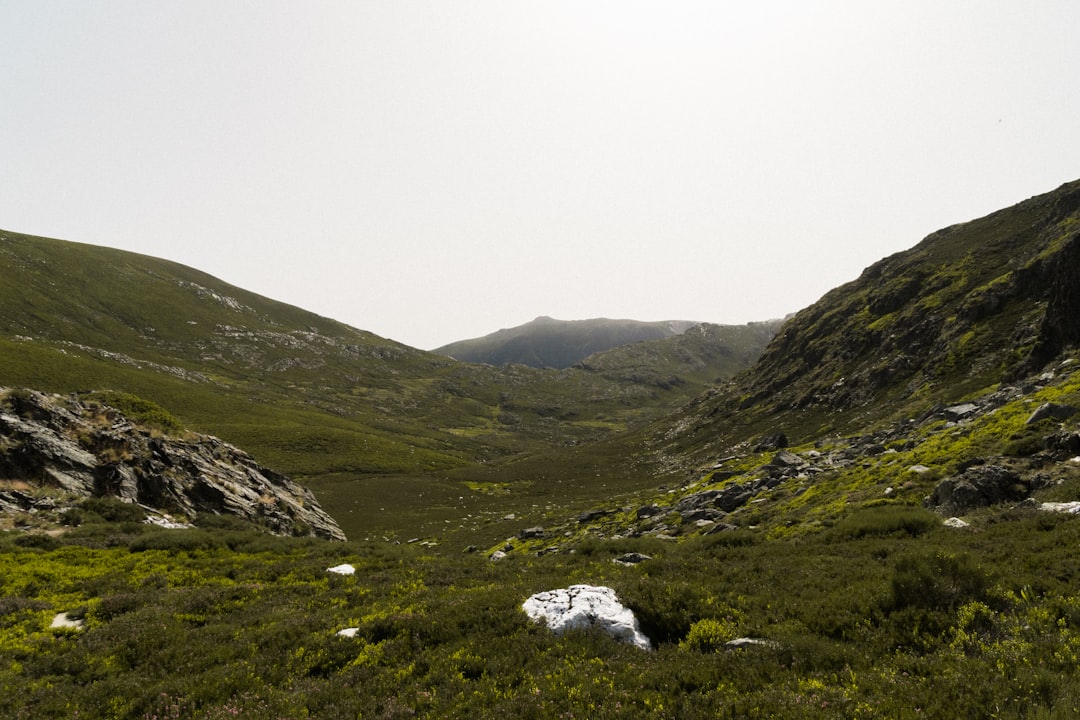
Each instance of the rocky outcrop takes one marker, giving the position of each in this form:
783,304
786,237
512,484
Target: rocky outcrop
977,487
586,606
67,448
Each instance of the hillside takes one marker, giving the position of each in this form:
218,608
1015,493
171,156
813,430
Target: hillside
357,417
546,342
878,519
971,306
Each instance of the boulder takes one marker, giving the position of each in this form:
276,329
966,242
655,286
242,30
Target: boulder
785,458
586,606
631,558
59,442
976,487
343,569
1063,444
1052,411
956,413
1070,508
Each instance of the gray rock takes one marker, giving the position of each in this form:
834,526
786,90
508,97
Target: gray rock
1052,411
976,487
632,558
531,533
956,413
648,511
787,459
590,515
59,442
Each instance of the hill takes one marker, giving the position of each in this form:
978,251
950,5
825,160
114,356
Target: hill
970,307
546,342
357,417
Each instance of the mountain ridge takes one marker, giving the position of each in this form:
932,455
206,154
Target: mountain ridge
547,342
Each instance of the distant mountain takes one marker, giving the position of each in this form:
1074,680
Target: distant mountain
704,353
546,342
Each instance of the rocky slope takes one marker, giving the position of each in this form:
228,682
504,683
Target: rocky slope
971,306
1015,450
57,450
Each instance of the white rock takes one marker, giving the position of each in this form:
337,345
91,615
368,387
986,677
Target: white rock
344,569
1072,508
955,522
583,606
63,621
348,632
746,642
165,521
920,469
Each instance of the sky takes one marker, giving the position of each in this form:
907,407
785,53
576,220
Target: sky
435,171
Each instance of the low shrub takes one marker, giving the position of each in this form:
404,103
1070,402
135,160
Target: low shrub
884,520
938,581
110,509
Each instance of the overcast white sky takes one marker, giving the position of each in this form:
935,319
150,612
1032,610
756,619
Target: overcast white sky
432,171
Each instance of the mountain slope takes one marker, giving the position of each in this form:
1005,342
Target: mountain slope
971,306
546,342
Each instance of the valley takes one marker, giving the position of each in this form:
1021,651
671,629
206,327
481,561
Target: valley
865,511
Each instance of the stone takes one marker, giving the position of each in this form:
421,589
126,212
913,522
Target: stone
57,441
918,469
785,458
348,632
632,558
703,514
66,622
1071,508
1051,411
586,606
343,569
531,533
647,511
955,522
1063,444
748,642
956,413
976,487
497,556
